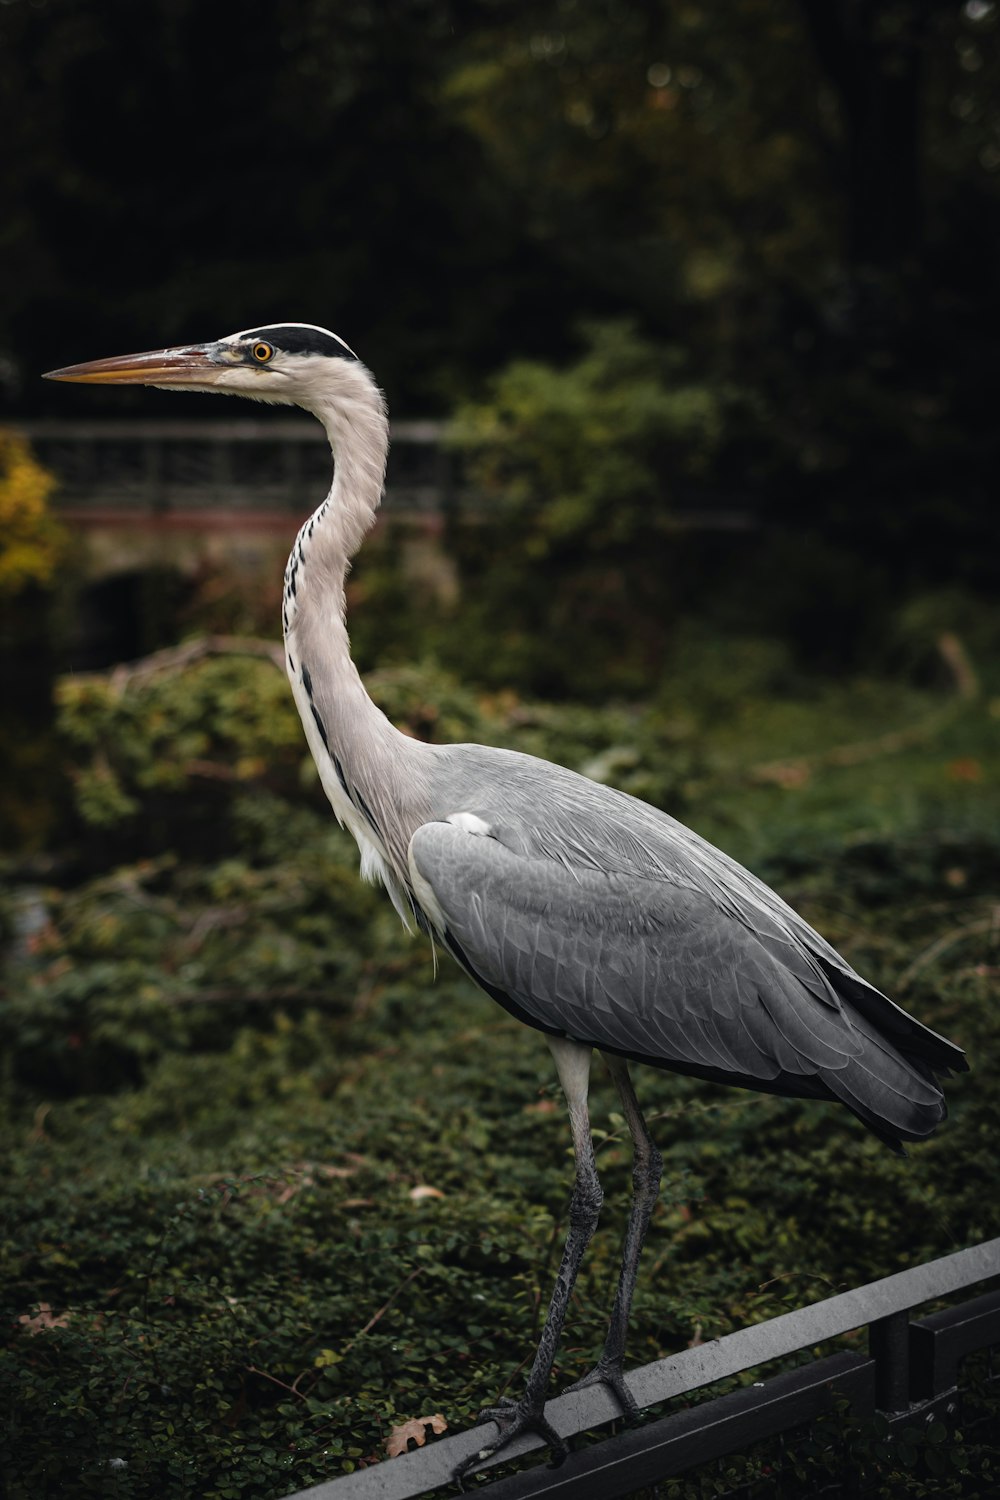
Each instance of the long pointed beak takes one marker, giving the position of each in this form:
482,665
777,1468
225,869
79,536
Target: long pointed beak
190,365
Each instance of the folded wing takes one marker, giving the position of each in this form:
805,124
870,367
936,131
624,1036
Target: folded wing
661,973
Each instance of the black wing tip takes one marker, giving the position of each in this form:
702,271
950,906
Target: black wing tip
944,1057
911,1038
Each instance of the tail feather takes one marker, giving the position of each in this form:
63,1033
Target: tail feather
908,1035
893,1085
896,1100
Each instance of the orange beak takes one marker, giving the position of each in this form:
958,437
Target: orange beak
189,365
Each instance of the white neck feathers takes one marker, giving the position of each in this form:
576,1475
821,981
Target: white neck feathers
354,415
368,769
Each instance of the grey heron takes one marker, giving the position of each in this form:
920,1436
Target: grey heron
589,915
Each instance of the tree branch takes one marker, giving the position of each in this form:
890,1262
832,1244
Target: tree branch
175,658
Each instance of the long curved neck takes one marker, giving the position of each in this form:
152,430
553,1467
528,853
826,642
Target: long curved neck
364,762
357,426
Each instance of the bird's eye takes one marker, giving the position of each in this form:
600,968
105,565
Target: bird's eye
262,352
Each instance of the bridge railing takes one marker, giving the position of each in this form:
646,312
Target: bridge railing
272,464
911,1374
278,464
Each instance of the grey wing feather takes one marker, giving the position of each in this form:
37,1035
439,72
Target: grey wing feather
545,811
662,972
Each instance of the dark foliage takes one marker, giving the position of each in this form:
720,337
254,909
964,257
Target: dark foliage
266,1198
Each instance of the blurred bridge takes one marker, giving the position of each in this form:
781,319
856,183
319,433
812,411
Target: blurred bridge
275,467
157,508
183,494
268,472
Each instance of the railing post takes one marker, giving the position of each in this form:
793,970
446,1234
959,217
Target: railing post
940,1342
889,1346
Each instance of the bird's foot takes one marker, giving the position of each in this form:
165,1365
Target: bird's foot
512,1418
609,1372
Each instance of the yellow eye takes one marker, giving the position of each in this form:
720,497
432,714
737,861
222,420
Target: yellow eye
262,352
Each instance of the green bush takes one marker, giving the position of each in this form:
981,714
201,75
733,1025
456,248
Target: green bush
274,1188
583,471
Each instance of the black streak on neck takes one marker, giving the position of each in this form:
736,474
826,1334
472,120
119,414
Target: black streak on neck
355,796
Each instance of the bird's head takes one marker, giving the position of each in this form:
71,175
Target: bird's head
295,364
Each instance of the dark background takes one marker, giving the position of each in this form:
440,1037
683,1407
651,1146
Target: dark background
800,195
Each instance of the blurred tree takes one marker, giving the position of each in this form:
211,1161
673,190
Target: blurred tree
592,471
453,181
873,55
788,190
664,147
720,167
175,171
804,196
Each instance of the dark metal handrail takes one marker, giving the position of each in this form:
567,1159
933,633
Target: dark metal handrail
908,1364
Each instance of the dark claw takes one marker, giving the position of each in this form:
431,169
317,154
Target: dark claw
512,1418
499,1412
611,1374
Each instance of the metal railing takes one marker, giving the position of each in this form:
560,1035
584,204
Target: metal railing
910,1373
278,464
256,465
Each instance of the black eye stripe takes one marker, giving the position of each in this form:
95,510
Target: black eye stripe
291,340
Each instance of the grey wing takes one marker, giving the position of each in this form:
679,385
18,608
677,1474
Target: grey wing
657,972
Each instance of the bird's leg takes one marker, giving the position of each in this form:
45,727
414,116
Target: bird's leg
647,1168
527,1414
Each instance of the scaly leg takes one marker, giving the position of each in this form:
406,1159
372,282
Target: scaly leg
646,1171
572,1060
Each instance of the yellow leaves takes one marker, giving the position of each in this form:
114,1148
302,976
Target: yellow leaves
413,1431
31,541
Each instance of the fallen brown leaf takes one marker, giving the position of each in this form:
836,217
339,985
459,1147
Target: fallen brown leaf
413,1431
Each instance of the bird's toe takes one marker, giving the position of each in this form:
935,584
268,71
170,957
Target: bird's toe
512,1418
610,1373
499,1412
